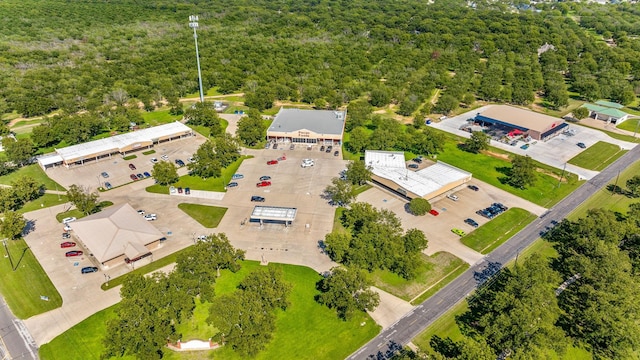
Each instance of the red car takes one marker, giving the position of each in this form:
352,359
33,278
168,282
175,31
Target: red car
263,183
433,212
67,244
73,253
272,162
133,177
132,167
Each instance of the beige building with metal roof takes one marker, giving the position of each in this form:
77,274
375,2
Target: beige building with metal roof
538,126
115,234
307,126
119,145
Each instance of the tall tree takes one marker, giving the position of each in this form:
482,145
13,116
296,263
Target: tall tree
84,200
347,292
340,192
13,224
19,151
522,172
358,173
478,141
251,128
165,173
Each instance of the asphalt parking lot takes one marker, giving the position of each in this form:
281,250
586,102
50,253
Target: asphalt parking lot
451,215
554,152
118,169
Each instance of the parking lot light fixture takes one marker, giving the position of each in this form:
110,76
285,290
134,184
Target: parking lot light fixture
193,23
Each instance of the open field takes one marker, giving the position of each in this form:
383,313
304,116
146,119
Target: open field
159,117
207,216
432,269
23,282
598,156
492,234
491,169
630,125
46,200
303,319
33,171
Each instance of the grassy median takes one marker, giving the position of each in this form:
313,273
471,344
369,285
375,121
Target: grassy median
598,156
500,229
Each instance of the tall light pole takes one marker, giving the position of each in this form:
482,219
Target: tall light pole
193,23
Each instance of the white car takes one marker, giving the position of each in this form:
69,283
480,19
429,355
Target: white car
164,157
153,160
172,189
307,163
67,227
68,220
141,212
151,217
202,237
453,197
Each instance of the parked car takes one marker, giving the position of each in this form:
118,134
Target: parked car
133,177
336,153
104,174
237,176
67,244
179,190
413,166
151,217
187,191
191,159
73,253
232,184
164,157
146,174
89,269
172,189
329,148
267,145
140,176
322,148
66,235
453,197
282,158
417,160
434,212
581,145
141,212
68,220
256,198
265,178
458,232
132,167
272,162
263,183
275,146
471,222
473,187
67,227
153,160
108,185
292,147
307,163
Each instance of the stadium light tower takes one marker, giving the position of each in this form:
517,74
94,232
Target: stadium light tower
193,23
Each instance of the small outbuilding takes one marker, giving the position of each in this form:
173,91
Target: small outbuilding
307,126
607,111
274,214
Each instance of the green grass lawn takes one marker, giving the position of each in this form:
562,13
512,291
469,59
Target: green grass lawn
598,156
198,183
79,214
432,269
629,125
23,287
207,216
488,168
33,171
492,234
301,330
46,200
159,117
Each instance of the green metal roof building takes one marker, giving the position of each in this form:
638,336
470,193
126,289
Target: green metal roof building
607,111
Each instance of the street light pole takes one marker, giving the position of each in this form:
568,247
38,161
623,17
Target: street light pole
193,23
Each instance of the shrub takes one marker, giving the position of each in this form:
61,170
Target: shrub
419,206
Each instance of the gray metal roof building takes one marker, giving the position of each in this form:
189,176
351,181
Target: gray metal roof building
307,126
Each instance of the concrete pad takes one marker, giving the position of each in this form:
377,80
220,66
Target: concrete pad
390,310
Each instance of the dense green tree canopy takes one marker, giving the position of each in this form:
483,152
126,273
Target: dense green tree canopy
346,291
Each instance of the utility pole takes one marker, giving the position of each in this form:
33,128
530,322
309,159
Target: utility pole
615,186
563,168
193,23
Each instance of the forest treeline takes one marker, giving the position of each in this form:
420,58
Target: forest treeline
76,55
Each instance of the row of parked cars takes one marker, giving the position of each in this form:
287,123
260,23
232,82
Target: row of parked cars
492,211
70,244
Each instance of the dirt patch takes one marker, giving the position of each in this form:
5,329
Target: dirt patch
552,174
497,155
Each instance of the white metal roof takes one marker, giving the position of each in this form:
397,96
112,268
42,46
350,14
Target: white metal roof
50,159
115,143
391,165
319,121
274,213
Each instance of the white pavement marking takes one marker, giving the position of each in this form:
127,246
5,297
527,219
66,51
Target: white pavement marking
26,336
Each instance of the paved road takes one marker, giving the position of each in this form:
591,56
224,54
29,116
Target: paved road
15,341
423,315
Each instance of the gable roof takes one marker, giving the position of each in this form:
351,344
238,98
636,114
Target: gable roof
115,231
609,104
605,110
318,121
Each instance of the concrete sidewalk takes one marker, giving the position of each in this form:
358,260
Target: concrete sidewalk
390,310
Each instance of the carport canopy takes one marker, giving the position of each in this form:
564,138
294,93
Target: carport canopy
274,213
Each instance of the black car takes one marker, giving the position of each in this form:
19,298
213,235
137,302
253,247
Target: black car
140,176
329,148
187,191
581,145
89,269
292,147
179,162
336,153
257,198
275,146
108,185
473,187
322,148
66,235
500,206
413,166
418,160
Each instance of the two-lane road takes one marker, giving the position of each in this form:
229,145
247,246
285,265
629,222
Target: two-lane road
414,322
15,341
